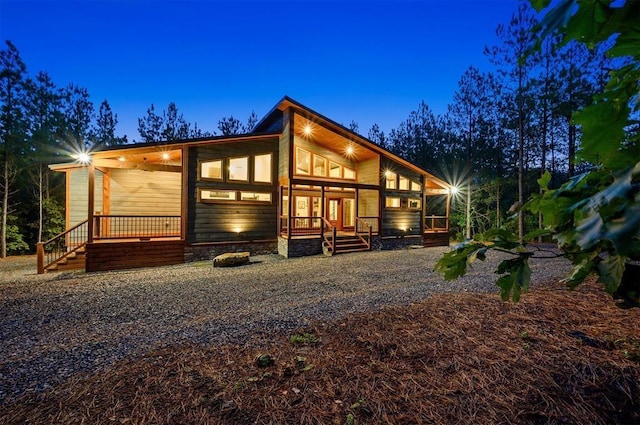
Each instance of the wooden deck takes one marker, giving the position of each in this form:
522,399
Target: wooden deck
128,254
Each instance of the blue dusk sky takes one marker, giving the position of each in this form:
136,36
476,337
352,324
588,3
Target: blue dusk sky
367,61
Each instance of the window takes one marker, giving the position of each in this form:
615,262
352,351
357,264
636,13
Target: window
391,178
255,196
303,161
404,183
262,168
392,202
239,168
416,187
211,170
335,170
319,166
349,174
217,195
414,203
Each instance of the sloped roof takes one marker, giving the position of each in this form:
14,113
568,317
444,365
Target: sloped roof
273,117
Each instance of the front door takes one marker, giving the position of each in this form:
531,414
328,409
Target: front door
334,212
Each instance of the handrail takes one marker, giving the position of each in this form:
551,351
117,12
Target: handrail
109,226
367,231
61,246
331,230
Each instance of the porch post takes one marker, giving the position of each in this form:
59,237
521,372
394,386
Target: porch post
91,201
289,209
184,192
448,207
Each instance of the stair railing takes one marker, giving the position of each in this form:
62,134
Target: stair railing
61,246
364,229
329,234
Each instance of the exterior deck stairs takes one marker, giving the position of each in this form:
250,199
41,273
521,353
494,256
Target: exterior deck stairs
75,260
345,244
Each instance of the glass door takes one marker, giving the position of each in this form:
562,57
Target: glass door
334,212
349,213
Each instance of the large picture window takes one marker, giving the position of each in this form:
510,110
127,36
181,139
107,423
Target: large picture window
404,183
211,170
391,179
335,170
239,168
262,168
319,166
349,174
303,161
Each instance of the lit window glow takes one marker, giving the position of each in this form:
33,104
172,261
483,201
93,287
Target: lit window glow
262,168
238,168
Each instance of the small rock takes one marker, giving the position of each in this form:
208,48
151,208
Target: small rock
231,259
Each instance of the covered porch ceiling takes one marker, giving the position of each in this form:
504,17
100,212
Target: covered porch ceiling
315,132
160,158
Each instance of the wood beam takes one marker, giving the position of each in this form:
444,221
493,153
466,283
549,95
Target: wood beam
114,163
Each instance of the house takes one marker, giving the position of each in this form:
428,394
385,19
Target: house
298,184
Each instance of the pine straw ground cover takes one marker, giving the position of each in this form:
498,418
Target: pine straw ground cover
555,357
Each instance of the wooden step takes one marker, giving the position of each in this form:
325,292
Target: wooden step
345,244
74,261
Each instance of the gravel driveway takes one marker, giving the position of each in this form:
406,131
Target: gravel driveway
56,325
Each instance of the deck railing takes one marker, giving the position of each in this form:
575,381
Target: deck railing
364,231
436,223
136,226
61,246
302,226
372,222
313,226
329,235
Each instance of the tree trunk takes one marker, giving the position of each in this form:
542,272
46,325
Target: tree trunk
5,207
520,154
40,201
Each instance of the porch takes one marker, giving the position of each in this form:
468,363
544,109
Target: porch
111,242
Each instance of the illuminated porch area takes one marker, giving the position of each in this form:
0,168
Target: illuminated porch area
130,198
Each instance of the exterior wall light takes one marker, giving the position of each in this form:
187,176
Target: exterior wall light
82,157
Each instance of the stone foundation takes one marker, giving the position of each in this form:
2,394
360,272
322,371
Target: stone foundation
291,248
403,242
209,251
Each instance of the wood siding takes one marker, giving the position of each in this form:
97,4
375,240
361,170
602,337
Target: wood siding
283,149
395,220
136,192
368,203
127,255
231,220
78,195
368,172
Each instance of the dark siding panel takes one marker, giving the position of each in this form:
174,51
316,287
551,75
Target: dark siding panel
216,222
394,220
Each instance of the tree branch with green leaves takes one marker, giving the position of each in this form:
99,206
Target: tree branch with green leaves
594,217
